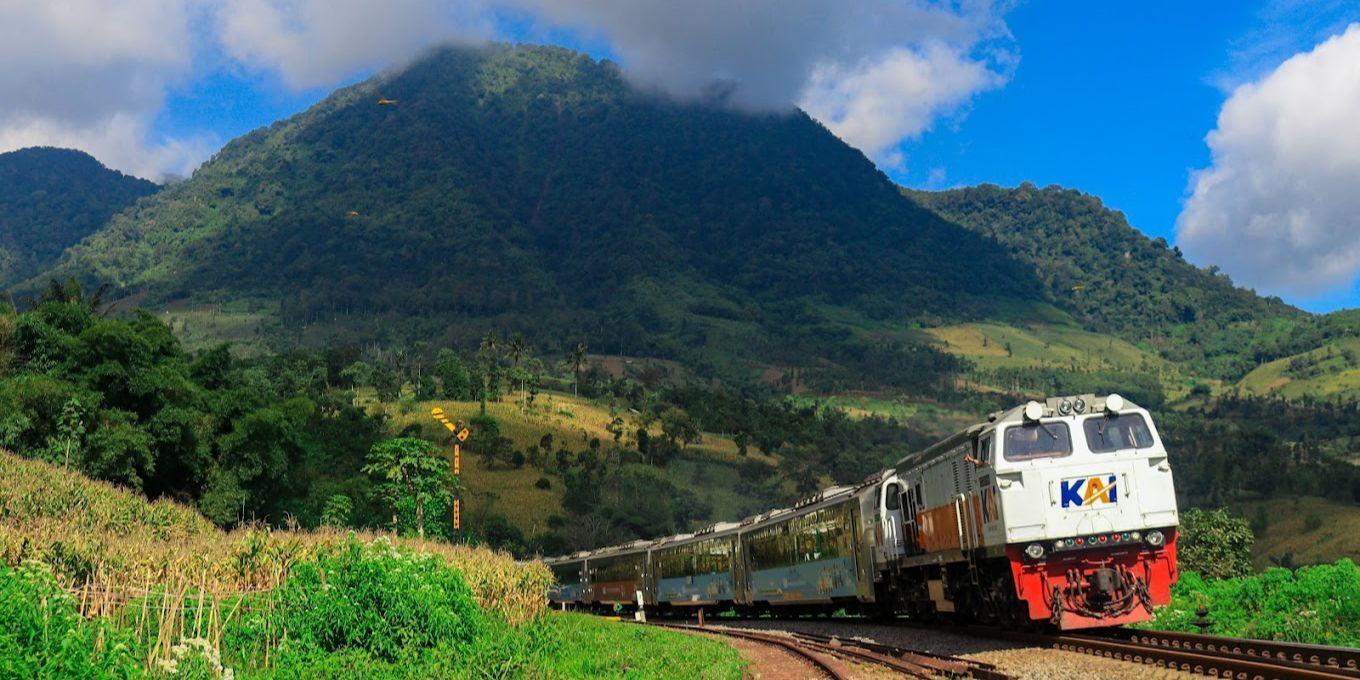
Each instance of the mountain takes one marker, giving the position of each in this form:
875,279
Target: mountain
50,199
531,189
1114,279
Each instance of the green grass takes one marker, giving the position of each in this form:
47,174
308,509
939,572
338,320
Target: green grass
1314,605
1328,371
1041,344
707,468
1286,531
370,611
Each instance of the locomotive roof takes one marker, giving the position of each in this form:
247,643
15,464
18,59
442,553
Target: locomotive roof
1052,407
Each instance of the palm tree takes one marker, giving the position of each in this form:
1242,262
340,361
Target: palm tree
486,353
516,351
576,360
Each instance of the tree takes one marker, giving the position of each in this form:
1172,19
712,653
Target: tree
455,379
411,470
1215,544
576,361
337,511
517,349
680,428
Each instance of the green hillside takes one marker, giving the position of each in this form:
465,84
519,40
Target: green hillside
531,189
50,199
1114,279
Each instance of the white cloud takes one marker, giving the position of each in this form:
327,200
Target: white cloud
311,43
874,71
92,74
876,105
1279,208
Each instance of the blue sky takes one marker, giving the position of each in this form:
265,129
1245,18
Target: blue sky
1114,99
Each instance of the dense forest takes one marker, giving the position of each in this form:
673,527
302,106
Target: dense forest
280,438
1115,279
532,190
51,199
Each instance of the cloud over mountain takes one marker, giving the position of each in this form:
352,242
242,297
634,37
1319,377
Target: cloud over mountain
876,72
1278,209
93,74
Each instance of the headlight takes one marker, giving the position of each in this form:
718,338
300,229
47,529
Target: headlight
1079,405
1136,536
1065,408
1155,538
1034,551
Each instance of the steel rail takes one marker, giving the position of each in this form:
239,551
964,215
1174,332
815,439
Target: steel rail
907,662
1220,659
784,643
1345,659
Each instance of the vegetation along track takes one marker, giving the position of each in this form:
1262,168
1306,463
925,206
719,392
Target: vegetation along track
908,662
1210,655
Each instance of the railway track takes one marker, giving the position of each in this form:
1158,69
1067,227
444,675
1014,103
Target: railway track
1209,655
911,663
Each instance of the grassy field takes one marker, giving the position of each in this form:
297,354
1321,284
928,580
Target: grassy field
97,582
1330,370
707,468
994,345
204,326
1313,530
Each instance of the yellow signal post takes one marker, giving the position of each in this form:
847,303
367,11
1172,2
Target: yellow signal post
460,434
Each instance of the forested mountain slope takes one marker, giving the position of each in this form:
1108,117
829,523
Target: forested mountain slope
1114,279
530,189
52,198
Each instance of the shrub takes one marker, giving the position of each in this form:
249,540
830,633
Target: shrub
1215,544
376,598
1318,605
543,483
1312,522
45,637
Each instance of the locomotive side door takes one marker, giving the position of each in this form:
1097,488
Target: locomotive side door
911,530
890,509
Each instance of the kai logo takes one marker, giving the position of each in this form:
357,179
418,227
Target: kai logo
1087,492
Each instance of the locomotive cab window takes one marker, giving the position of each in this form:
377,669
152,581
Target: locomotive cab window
1038,440
1113,433
893,501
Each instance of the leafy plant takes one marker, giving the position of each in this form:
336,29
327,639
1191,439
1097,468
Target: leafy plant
412,471
1214,544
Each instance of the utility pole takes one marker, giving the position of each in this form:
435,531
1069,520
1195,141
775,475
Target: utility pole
460,435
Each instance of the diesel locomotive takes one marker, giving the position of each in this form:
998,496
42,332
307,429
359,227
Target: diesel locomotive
1059,513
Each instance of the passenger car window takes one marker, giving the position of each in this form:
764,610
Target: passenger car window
1112,433
1038,440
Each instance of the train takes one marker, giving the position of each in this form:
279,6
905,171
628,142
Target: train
1058,514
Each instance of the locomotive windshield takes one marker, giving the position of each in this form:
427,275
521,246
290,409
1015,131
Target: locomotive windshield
1038,440
1112,433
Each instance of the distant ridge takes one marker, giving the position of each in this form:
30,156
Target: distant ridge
52,198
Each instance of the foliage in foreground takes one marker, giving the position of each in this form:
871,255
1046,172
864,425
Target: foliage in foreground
365,610
43,635
110,542
1316,605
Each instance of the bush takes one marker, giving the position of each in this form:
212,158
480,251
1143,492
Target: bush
378,599
1215,544
1317,605
1312,522
45,637
543,483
